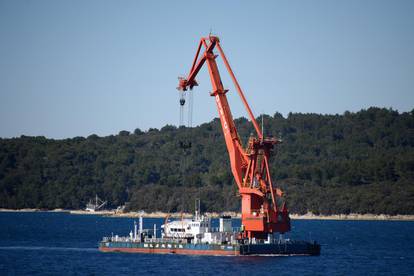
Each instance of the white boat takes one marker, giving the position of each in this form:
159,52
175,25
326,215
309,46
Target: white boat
95,206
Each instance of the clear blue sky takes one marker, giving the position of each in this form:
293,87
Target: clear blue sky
74,68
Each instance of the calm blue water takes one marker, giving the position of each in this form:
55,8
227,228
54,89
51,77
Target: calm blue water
59,244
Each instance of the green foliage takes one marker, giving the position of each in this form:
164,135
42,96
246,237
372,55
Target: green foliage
352,163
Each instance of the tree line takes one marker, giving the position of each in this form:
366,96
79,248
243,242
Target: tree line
360,162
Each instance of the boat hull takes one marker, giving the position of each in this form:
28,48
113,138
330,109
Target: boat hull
284,248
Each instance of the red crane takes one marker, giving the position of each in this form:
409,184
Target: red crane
261,214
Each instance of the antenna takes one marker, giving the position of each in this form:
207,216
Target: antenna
197,208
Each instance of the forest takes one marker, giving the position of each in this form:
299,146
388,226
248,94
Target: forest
355,162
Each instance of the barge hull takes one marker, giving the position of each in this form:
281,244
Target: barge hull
171,251
288,248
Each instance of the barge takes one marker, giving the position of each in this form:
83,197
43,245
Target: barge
196,237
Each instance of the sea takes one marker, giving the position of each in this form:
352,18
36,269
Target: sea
53,243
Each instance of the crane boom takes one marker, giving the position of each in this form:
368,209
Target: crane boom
250,167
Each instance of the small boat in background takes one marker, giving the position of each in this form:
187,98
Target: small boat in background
96,205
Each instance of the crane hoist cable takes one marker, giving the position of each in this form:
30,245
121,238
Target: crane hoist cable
190,109
185,143
182,103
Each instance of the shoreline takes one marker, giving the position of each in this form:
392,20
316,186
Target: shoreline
308,216
380,217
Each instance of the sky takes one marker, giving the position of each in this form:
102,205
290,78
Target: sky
76,68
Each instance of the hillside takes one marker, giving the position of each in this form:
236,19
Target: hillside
359,162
